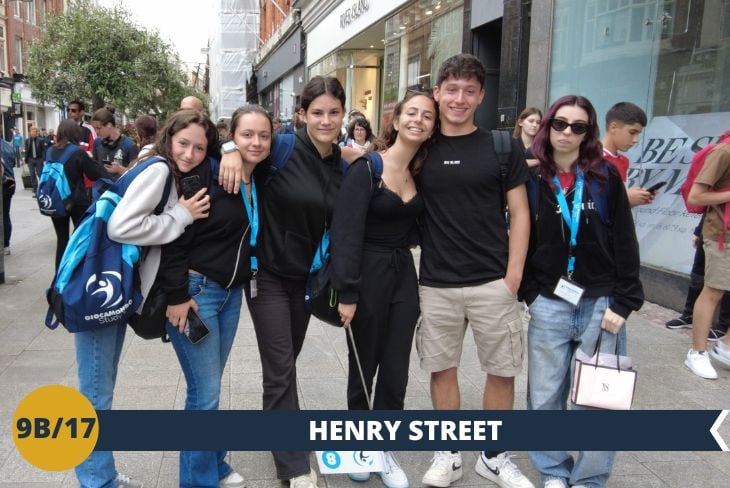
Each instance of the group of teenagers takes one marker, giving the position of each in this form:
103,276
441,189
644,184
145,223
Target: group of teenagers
251,233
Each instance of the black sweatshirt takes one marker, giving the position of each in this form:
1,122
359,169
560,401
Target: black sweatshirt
216,247
294,207
367,219
606,257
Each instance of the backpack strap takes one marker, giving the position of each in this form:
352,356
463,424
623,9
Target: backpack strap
503,149
375,165
600,195
215,167
281,150
66,154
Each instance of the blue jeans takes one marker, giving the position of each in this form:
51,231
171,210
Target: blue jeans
203,365
556,330
97,359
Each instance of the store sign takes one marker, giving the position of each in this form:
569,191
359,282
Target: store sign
664,228
353,12
346,22
17,109
15,97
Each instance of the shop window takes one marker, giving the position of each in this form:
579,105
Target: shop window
670,57
417,40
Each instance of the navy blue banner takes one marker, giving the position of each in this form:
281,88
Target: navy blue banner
412,430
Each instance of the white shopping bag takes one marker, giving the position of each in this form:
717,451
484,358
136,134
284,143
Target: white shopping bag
606,381
342,462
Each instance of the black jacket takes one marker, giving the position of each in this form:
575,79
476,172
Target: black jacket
217,246
295,206
40,147
607,254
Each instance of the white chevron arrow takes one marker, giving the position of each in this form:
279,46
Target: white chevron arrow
716,426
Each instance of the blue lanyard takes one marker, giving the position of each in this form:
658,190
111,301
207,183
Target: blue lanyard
574,220
252,211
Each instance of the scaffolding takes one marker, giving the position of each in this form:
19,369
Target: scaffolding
234,41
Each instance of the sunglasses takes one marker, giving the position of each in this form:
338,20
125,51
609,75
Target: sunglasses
577,128
72,110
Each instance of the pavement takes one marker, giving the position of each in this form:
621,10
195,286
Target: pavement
150,378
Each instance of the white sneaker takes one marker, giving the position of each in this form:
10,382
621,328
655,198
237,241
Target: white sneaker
233,480
359,477
304,481
393,475
444,470
124,481
501,470
554,483
720,353
699,363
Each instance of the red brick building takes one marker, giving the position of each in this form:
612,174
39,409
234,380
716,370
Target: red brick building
272,14
21,24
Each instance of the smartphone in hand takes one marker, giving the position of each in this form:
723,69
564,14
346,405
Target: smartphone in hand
191,185
195,329
655,187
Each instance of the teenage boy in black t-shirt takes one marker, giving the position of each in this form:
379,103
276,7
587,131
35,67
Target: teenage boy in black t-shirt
471,267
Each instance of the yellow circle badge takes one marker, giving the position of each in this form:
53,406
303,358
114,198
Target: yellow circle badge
55,428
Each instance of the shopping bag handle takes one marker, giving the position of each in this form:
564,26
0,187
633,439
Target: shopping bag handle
597,350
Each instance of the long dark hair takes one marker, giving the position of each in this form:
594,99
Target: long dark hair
388,135
146,126
68,132
590,152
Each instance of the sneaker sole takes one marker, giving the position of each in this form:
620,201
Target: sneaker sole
359,477
686,363
456,476
391,486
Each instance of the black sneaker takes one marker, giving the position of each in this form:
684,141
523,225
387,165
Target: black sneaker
683,322
716,335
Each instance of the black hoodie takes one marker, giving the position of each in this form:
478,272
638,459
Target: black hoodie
607,254
294,207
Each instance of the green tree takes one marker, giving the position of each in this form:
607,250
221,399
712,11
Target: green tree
99,54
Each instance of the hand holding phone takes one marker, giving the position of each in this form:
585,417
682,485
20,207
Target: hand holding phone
655,187
195,329
191,185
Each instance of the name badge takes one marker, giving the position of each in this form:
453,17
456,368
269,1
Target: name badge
569,290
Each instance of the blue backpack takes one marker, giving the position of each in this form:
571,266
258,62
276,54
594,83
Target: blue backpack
55,195
97,283
281,149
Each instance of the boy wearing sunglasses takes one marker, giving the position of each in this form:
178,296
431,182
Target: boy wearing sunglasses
624,124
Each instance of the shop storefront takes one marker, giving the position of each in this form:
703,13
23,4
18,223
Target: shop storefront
279,77
379,49
670,57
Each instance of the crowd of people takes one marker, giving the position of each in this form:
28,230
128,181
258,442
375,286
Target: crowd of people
232,230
